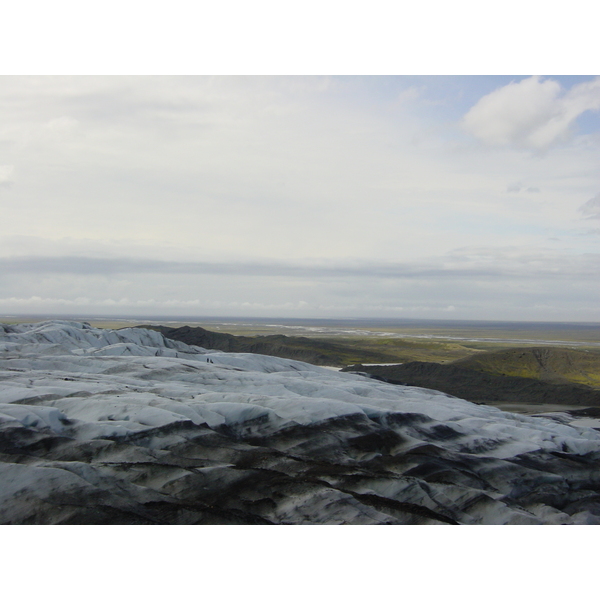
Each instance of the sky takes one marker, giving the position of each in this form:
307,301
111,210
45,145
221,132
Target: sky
442,197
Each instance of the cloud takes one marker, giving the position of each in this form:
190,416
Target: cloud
61,123
409,95
470,282
515,188
591,209
469,263
51,303
6,175
533,113
38,301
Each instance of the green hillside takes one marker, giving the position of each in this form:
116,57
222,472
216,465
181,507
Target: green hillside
550,364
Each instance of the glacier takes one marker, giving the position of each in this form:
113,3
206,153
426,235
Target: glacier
125,426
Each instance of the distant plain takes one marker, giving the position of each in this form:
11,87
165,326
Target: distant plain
401,339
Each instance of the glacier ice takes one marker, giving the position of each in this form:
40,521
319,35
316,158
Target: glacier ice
126,426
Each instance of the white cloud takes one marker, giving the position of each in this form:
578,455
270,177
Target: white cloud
61,123
514,188
6,175
591,209
39,302
409,95
533,113
466,263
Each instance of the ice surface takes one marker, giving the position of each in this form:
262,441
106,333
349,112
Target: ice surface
74,395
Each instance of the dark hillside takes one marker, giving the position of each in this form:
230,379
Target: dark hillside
312,351
482,387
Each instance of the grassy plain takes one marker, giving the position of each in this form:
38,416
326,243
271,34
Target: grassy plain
428,342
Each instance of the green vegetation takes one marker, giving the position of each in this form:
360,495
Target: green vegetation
404,350
553,365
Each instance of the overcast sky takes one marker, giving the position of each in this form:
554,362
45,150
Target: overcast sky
427,197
